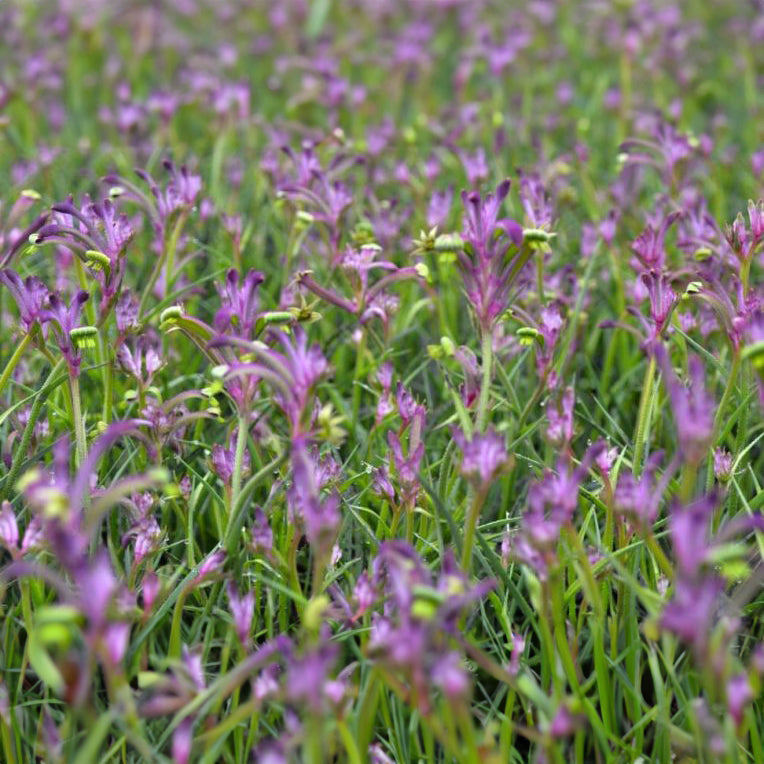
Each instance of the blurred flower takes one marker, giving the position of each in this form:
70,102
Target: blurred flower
242,611
64,320
30,295
483,457
483,265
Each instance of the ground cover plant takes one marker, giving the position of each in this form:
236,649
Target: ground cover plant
381,381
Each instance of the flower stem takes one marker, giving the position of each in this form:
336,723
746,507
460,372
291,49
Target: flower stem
726,395
78,424
643,418
470,525
26,436
485,388
241,442
15,358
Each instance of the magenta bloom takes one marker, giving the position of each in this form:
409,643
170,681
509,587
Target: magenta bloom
483,264
239,303
64,319
30,295
483,457
693,409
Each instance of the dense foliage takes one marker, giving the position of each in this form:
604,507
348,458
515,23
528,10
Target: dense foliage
381,381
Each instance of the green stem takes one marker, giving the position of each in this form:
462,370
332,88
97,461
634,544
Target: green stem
26,436
729,389
108,393
360,352
643,418
241,442
470,525
15,358
540,275
77,422
485,388
167,259
171,247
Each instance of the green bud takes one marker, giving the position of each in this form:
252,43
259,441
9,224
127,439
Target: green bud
535,236
449,348
170,314
148,679
314,612
423,272
449,242
755,354
84,336
702,253
98,261
30,193
528,335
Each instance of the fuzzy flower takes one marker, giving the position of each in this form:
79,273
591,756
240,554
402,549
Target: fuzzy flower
483,265
739,694
649,246
638,499
65,320
30,295
262,534
320,515
692,610
239,303
693,408
560,429
483,457
449,674
9,529
242,611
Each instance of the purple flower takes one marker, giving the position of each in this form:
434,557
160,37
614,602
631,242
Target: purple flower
262,534
663,300
9,529
649,246
364,594
639,498
483,263
406,467
180,193
448,673
564,723
692,610
483,457
308,683
475,166
211,565
693,408
382,485
439,207
723,462
560,429
126,312
538,209
151,587
147,536
240,304
30,295
64,319
182,741
141,360
739,694
320,515
242,611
